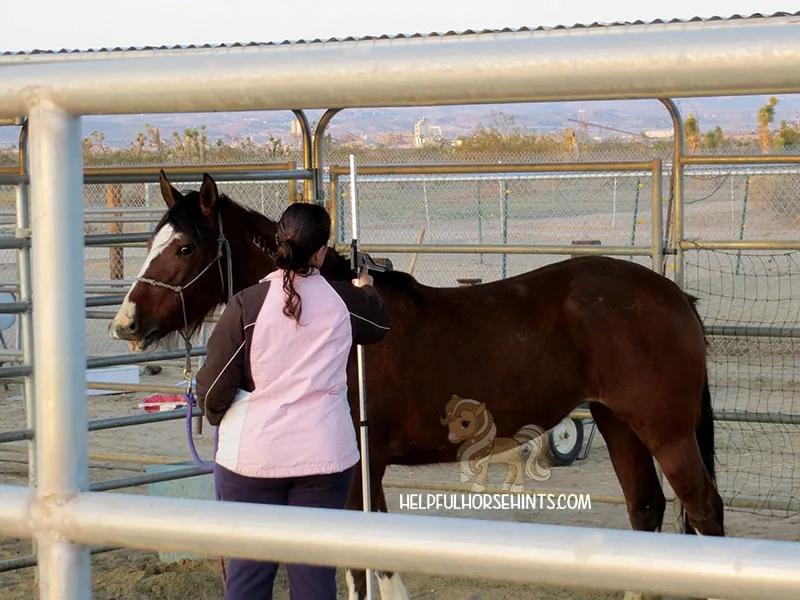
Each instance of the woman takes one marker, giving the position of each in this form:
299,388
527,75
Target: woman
291,440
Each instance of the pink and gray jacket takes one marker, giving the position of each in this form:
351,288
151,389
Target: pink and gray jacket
278,391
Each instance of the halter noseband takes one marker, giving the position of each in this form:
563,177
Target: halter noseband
222,241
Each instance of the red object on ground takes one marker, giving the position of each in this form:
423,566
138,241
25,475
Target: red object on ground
162,402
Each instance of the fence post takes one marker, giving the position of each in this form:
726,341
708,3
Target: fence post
504,226
116,257
59,332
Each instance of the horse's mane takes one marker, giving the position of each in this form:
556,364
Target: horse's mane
186,216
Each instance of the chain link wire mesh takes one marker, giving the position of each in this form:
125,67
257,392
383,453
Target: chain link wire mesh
749,373
520,209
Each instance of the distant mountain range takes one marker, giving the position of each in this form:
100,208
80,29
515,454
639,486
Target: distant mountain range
732,114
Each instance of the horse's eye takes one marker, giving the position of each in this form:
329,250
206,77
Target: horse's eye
464,424
185,250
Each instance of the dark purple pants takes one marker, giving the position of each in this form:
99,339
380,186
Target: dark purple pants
253,580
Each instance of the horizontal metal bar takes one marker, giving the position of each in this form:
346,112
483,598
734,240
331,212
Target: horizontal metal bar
110,423
740,244
111,361
13,243
23,562
107,314
109,300
754,331
221,173
13,178
15,371
19,435
10,308
106,239
137,480
501,249
143,419
100,177
738,57
740,159
556,555
133,387
746,416
496,168
135,359
152,173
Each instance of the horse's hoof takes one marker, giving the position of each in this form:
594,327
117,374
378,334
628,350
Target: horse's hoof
518,487
477,487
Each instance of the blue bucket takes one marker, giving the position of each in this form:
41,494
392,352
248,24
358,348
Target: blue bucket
200,487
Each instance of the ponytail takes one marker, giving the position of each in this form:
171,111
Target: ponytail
302,230
287,260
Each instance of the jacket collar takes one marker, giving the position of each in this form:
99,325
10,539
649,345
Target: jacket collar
277,274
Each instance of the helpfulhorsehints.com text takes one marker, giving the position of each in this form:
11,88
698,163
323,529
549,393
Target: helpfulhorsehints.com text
524,501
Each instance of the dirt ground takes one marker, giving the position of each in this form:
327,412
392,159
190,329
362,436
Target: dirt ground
139,575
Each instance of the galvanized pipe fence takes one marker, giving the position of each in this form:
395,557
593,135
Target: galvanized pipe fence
65,516
387,174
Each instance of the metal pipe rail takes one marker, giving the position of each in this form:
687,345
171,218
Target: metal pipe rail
134,175
110,423
112,361
115,239
740,244
555,555
645,167
502,249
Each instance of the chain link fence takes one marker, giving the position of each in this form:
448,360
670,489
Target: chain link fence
607,208
748,373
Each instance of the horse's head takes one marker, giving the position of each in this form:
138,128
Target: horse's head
464,418
186,272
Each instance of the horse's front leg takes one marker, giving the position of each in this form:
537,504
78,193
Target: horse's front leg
390,584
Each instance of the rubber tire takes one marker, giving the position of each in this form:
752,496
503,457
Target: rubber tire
560,458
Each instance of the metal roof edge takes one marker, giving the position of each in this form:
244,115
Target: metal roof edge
11,56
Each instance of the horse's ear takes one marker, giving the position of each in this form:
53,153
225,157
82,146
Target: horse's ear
208,195
480,408
169,193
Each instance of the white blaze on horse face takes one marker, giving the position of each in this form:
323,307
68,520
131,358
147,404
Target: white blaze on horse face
127,312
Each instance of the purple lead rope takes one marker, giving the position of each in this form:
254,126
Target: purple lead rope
207,467
190,404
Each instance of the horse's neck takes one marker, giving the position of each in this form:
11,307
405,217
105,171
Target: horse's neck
251,258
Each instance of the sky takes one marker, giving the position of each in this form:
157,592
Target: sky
84,24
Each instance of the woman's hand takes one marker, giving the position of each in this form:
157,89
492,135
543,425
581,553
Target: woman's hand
364,279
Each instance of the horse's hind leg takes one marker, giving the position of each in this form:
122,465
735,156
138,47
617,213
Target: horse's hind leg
637,476
635,470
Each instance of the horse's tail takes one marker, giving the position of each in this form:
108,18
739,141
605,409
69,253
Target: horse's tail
705,430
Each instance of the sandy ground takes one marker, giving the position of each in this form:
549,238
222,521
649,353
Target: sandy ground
139,575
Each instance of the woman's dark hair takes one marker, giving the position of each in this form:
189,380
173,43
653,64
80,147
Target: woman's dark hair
302,230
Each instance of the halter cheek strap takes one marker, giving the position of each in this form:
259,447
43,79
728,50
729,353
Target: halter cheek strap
222,242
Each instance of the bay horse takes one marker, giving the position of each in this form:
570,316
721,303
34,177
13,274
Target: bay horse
532,347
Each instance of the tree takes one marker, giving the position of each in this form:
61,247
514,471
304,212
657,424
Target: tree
788,136
766,114
715,139
691,131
